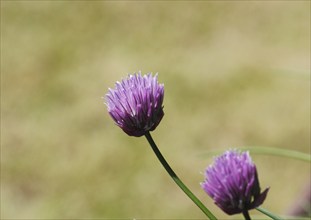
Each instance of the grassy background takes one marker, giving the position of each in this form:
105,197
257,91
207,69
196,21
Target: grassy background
235,74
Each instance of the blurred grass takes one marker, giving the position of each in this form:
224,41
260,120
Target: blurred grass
235,73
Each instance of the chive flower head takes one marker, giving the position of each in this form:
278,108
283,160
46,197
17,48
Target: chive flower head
135,104
232,182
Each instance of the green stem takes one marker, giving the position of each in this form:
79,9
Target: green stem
281,152
267,213
176,179
246,214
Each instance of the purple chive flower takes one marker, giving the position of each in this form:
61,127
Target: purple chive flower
232,183
136,103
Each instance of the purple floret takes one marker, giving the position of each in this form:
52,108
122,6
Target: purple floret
136,103
232,182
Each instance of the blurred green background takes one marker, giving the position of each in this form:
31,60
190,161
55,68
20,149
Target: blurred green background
235,73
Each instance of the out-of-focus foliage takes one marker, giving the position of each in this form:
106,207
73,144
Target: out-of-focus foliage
236,73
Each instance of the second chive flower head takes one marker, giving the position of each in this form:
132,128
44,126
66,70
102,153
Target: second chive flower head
136,103
232,182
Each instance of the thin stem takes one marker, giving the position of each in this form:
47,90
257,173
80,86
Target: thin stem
246,214
270,151
176,179
267,213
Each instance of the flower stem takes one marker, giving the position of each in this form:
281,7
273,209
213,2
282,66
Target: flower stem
268,213
273,151
246,214
176,179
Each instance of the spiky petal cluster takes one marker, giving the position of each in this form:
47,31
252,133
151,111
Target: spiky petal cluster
136,103
233,184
